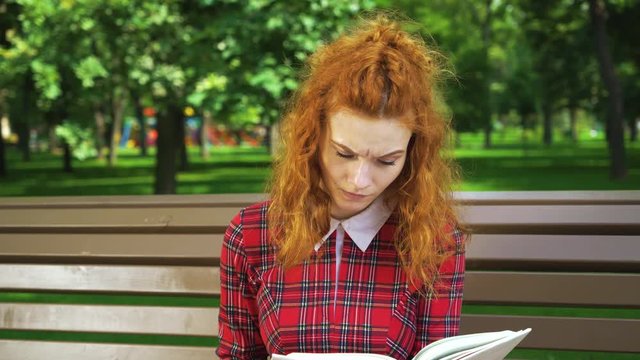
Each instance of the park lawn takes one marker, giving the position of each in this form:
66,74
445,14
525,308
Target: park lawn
509,165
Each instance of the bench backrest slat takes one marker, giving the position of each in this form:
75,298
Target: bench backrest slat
110,318
597,251
489,287
38,350
113,248
117,219
172,248
538,288
565,333
177,280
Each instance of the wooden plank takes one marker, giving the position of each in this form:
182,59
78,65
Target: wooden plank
580,219
92,247
595,249
102,201
612,197
122,219
600,253
110,319
551,215
493,247
175,280
594,197
38,350
563,333
493,287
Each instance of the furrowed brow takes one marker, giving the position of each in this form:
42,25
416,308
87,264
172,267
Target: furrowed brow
346,148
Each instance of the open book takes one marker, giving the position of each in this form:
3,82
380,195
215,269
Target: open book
479,346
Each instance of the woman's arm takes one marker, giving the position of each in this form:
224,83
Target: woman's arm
238,328
439,317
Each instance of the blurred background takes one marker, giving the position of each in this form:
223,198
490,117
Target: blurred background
160,97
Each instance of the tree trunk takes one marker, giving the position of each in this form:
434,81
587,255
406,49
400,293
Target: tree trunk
67,157
118,106
207,120
101,129
633,129
23,124
167,146
547,133
23,140
3,164
182,146
142,136
523,125
53,138
487,136
618,168
275,140
573,123
267,142
486,42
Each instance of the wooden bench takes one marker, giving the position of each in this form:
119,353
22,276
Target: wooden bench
142,275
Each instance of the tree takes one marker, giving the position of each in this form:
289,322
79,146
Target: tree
622,26
615,131
464,33
557,35
280,36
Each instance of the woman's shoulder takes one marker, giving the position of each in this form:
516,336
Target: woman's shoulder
250,223
458,237
252,215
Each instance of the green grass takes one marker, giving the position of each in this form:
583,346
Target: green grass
509,165
109,299
229,170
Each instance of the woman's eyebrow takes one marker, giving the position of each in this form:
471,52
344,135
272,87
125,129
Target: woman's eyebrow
345,147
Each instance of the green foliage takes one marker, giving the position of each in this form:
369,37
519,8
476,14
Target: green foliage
47,80
263,53
79,139
240,59
89,69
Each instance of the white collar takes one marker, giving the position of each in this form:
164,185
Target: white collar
362,227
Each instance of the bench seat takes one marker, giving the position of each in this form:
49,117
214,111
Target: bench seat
158,257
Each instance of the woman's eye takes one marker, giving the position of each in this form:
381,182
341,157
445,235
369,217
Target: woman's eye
346,156
388,163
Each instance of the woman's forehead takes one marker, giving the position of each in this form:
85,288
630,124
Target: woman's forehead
366,135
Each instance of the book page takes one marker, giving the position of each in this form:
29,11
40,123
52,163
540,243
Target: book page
455,344
481,346
497,350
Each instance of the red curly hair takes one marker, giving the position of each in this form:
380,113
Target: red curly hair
379,70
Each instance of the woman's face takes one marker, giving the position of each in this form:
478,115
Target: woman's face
360,157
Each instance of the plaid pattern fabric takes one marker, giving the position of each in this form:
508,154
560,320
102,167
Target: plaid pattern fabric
265,310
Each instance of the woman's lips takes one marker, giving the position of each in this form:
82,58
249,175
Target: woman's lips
351,196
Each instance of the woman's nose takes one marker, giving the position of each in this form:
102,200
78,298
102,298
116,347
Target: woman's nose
361,175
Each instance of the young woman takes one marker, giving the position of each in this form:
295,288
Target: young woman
359,247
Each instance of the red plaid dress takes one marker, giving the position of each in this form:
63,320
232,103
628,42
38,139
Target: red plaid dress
265,310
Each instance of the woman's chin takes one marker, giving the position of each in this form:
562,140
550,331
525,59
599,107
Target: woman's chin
346,209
